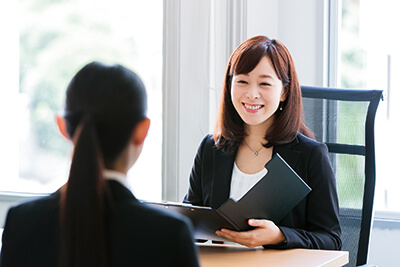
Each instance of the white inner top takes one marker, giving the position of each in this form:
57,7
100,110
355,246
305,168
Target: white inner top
243,182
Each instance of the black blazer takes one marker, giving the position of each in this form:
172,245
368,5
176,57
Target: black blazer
139,235
313,223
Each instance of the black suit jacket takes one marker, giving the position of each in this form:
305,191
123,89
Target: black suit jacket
138,234
313,223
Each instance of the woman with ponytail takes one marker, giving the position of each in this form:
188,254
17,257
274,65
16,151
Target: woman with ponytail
260,114
94,219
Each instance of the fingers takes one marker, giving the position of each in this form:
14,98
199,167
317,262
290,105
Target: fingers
246,238
258,223
232,234
264,232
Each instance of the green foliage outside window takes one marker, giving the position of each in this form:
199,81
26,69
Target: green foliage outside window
350,176
56,39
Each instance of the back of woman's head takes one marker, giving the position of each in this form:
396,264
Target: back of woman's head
104,103
113,97
288,121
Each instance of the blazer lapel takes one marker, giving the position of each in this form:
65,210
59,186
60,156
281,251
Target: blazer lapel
222,175
288,152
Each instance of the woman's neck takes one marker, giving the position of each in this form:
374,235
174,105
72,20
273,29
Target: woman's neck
256,133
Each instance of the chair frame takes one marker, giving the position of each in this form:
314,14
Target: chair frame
373,96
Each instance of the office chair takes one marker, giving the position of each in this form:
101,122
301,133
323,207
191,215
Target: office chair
344,120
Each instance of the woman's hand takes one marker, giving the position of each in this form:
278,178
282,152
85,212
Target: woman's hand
265,233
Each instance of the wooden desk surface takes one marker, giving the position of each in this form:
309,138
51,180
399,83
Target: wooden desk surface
215,255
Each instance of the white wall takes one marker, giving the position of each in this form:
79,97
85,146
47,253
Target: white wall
194,80
185,89
383,248
300,26
262,18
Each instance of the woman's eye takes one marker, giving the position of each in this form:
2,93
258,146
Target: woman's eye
241,81
265,84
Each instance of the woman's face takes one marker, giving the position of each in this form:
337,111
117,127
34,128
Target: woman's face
257,94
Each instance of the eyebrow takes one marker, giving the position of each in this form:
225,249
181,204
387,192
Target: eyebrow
265,76
260,76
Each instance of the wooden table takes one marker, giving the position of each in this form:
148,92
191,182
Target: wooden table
217,255
220,255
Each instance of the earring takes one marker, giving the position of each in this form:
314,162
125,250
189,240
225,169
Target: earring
281,106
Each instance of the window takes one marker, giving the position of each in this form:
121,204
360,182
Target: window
369,58
56,38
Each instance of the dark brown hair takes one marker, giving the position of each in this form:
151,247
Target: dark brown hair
103,105
229,131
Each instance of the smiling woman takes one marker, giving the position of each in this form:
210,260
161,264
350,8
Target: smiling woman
260,115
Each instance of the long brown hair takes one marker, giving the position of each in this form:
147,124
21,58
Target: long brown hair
103,105
229,131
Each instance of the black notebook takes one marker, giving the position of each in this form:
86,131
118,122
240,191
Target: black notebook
272,197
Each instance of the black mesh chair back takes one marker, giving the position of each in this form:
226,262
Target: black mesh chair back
344,120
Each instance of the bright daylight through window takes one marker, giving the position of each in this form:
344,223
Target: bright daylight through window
56,38
369,58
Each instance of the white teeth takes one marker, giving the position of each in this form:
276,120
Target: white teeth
253,107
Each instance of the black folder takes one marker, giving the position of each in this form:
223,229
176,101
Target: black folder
272,197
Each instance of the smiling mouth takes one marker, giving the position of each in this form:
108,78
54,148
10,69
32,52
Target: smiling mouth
252,107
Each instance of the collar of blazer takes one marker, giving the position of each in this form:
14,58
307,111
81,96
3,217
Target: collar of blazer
119,192
289,152
223,166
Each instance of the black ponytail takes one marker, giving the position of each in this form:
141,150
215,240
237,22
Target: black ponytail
83,208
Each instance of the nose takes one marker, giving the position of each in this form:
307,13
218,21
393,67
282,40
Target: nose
253,93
